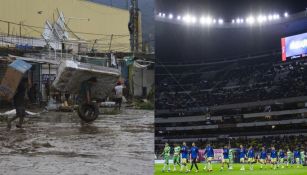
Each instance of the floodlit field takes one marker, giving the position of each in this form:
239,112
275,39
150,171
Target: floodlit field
236,171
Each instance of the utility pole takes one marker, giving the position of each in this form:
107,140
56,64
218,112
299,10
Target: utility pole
20,29
8,29
110,43
134,26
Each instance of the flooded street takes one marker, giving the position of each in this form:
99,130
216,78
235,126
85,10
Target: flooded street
58,143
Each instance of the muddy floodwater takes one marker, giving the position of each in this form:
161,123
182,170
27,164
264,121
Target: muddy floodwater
58,143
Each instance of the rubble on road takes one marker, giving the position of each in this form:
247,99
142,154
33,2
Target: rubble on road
13,112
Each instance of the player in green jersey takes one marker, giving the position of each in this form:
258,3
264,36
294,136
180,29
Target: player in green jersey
302,156
289,157
230,158
166,154
176,158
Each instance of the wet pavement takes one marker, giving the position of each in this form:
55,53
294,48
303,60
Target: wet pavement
58,143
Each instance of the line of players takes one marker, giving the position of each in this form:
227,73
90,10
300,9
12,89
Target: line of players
276,158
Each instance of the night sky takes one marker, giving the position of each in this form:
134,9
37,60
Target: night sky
194,43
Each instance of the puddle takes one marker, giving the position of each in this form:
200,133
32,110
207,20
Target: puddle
59,143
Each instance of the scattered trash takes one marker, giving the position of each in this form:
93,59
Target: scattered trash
39,145
52,105
124,99
13,112
107,104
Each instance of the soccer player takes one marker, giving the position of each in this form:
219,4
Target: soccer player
289,157
273,157
166,155
225,157
281,156
176,158
209,154
302,156
297,157
230,158
194,156
184,156
251,157
242,155
263,157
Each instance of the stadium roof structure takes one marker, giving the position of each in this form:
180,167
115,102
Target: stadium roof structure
209,21
203,44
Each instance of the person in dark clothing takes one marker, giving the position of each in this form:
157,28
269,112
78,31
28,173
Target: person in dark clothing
194,156
32,94
47,88
85,90
19,103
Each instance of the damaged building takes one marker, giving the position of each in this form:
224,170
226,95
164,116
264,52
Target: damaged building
50,32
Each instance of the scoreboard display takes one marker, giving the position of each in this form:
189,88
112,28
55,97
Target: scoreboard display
294,46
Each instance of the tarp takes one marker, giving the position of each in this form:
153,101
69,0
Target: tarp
21,66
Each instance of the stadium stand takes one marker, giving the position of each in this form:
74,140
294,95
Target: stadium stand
211,89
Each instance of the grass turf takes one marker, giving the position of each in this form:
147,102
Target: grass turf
236,170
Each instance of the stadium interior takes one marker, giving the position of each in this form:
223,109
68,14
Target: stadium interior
228,85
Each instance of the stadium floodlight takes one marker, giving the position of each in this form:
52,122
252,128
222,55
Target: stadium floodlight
207,20
163,15
250,20
286,14
178,17
220,21
241,20
238,20
214,21
202,20
187,18
261,18
160,14
193,19
170,16
276,16
270,17
232,21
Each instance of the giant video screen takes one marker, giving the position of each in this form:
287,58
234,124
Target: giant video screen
294,46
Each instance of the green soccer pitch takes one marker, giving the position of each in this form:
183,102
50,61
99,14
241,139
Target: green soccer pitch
236,170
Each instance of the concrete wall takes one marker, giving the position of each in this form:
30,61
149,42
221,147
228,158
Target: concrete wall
143,78
102,19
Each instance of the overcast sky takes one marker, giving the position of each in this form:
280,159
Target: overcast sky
147,10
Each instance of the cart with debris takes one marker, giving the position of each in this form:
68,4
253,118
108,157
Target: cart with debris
72,73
